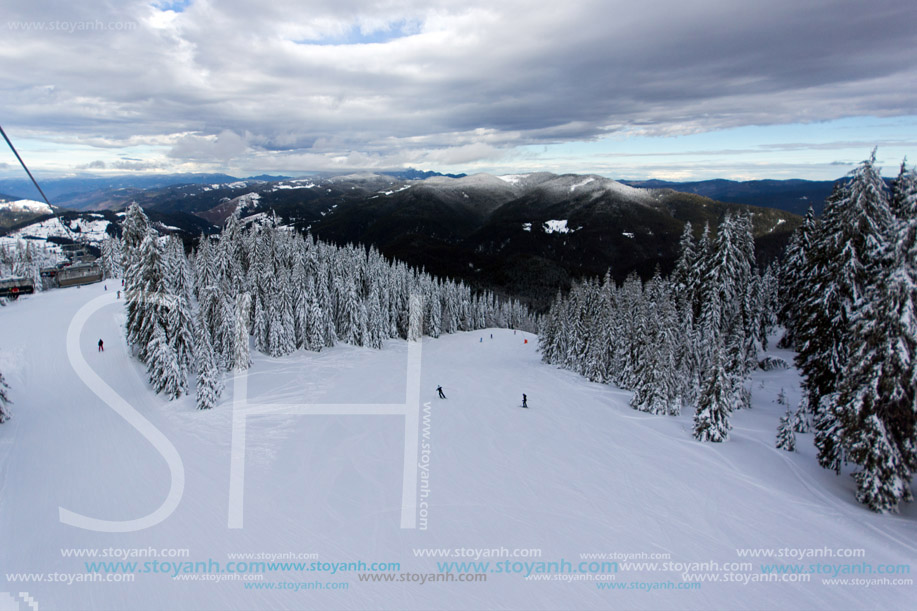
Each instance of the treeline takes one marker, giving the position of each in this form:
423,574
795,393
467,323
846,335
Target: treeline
849,290
285,291
846,294
687,340
25,260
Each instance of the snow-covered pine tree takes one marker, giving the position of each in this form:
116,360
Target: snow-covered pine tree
415,317
376,327
801,416
111,257
657,386
687,356
181,325
259,322
550,328
209,379
845,262
287,318
315,325
160,321
697,285
134,230
162,365
876,404
786,438
280,330
904,193
687,255
329,332
4,400
768,304
720,282
793,277
782,400
450,310
602,349
711,419
348,324
883,479
301,285
147,296
436,316
240,355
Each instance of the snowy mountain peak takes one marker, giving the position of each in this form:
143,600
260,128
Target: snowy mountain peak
25,206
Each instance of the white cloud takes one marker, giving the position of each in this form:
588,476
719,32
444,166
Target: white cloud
235,83
222,147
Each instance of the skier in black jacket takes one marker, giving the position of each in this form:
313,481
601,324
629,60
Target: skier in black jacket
439,389
525,401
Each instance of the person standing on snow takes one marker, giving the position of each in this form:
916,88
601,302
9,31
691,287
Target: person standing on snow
101,346
525,401
439,389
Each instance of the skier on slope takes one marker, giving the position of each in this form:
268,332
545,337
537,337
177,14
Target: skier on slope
101,346
439,389
525,401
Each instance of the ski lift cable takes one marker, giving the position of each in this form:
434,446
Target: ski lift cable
35,182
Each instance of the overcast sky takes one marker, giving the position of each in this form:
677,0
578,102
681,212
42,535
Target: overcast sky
675,89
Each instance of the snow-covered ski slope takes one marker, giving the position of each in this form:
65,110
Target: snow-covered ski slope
577,473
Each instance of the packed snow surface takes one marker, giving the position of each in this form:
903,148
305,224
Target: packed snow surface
249,200
294,184
632,193
393,191
25,205
581,184
93,231
577,475
556,226
778,224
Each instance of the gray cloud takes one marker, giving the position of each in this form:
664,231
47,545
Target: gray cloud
243,83
136,166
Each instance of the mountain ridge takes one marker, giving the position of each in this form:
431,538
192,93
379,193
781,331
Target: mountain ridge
523,235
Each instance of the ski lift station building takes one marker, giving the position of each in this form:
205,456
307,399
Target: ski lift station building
80,273
13,287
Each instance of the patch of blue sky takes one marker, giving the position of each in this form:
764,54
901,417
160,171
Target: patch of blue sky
176,6
360,35
828,145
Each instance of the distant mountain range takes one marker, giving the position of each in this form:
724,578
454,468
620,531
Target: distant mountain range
791,195
80,192
524,235
14,211
88,192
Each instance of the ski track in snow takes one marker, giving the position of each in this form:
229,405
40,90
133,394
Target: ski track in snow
578,472
124,409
